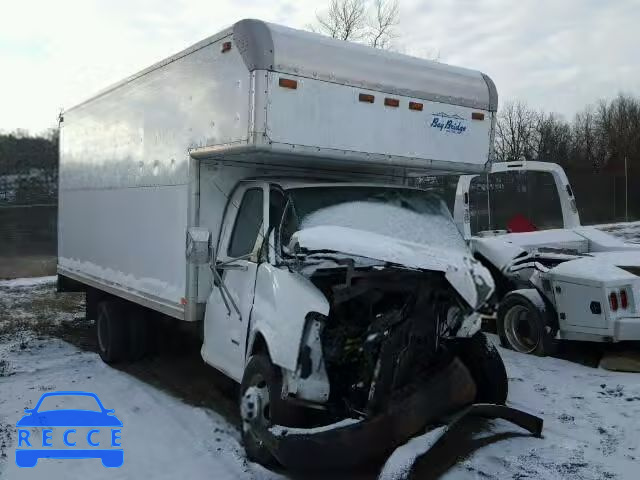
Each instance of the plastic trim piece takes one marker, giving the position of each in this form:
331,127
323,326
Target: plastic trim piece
255,43
493,93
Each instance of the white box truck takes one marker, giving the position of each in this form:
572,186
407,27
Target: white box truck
256,183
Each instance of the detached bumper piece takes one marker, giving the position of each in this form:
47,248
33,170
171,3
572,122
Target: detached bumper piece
447,393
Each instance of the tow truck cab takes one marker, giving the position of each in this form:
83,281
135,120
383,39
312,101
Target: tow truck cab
555,279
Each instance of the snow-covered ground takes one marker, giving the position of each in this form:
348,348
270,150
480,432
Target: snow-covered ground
162,436
179,421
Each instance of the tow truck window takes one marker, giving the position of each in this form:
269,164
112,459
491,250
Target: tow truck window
515,201
248,223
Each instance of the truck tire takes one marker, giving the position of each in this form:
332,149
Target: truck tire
111,329
260,399
487,369
524,323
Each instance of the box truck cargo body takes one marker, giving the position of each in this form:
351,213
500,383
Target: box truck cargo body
128,156
301,131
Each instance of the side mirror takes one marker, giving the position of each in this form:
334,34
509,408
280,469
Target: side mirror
198,250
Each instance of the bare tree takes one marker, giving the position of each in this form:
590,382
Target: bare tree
372,23
516,133
344,19
382,24
554,139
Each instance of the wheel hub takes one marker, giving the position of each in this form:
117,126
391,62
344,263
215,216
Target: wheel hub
255,407
251,404
521,329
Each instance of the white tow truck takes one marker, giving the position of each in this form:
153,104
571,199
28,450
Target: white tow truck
256,184
555,279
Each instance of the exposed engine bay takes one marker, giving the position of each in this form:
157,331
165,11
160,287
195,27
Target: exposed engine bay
385,329
385,347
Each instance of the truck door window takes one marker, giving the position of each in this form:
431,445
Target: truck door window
248,223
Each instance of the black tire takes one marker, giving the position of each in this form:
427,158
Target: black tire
260,372
487,369
138,334
525,325
111,330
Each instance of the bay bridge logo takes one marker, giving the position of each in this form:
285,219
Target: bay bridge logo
448,123
102,440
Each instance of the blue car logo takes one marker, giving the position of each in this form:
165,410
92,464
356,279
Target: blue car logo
30,450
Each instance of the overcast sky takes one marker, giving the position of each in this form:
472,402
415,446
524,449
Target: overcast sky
555,54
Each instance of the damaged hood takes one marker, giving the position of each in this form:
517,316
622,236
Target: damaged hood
470,279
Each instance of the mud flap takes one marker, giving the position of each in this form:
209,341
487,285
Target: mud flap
448,392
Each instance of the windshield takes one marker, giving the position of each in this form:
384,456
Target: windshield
407,214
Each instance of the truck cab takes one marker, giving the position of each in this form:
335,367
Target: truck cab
304,272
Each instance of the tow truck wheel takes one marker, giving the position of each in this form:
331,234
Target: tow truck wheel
260,406
112,331
483,360
523,324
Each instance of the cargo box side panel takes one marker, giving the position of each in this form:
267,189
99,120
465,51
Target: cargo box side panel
340,117
125,172
131,239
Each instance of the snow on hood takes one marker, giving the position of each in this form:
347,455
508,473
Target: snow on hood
470,279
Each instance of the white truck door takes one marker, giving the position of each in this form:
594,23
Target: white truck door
461,208
229,306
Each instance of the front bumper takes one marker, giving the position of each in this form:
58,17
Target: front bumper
447,392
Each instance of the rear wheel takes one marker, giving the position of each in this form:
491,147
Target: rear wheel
483,360
524,324
111,329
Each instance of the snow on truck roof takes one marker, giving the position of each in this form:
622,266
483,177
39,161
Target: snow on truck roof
267,46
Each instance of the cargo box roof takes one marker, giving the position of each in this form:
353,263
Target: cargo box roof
266,46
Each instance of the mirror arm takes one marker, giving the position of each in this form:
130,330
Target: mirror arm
224,292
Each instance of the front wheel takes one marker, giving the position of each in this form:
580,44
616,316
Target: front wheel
524,324
483,360
261,406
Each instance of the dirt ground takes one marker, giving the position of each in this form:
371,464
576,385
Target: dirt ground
27,266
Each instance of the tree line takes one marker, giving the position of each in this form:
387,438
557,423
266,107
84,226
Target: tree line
598,139
28,168
20,152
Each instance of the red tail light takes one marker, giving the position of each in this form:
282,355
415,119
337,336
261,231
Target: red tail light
613,301
624,301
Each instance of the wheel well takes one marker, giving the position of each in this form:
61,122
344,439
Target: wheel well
259,345
503,284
